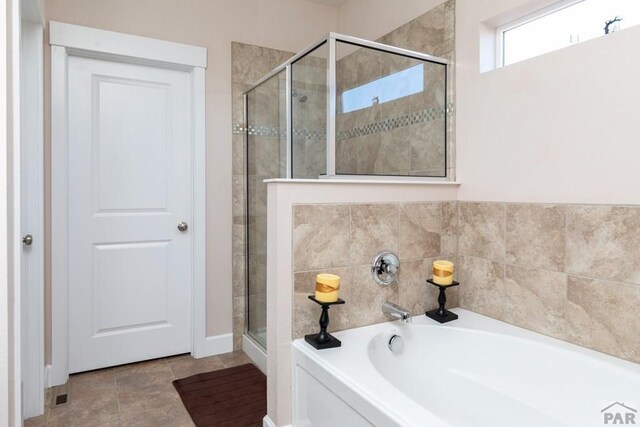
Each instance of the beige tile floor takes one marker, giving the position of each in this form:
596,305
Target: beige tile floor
140,394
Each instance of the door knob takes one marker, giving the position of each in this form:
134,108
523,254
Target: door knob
27,240
183,226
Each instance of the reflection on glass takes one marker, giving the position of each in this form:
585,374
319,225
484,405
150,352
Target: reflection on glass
391,114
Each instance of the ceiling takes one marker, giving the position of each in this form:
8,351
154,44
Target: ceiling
335,3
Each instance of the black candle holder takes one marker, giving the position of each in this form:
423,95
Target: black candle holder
441,314
323,339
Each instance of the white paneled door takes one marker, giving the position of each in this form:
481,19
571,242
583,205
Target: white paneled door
129,211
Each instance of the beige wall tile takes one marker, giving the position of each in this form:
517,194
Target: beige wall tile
365,297
604,316
239,306
536,236
449,25
250,62
238,195
346,156
427,143
320,236
368,151
394,157
482,230
238,151
415,294
238,279
423,34
481,286
419,227
373,228
535,299
449,232
602,242
238,230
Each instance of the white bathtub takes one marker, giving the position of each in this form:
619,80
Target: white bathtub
475,371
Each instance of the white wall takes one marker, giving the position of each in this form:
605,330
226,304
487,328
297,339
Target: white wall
561,127
281,24
371,19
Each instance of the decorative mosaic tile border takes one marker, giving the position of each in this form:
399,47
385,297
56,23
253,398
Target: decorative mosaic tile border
273,132
422,116
417,117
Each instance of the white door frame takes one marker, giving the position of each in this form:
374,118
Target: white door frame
32,200
66,40
10,244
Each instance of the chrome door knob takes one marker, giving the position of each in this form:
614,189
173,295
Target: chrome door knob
27,240
183,226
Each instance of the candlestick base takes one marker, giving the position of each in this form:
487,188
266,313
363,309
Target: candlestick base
441,314
445,317
318,344
323,340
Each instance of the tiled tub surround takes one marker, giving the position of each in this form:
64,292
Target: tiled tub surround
568,271
343,238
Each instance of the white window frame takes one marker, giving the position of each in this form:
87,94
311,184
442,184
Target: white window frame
532,16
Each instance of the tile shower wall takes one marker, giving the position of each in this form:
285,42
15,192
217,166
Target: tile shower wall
405,136
309,115
249,63
568,271
342,239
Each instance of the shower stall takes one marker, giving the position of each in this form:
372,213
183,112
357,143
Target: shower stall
342,108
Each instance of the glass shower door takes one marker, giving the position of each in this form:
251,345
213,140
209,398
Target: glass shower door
265,132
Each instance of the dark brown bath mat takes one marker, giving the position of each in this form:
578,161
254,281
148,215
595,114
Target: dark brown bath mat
229,397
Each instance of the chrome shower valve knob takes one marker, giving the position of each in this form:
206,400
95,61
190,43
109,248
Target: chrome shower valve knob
384,268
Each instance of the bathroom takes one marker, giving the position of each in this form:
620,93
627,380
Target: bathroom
315,146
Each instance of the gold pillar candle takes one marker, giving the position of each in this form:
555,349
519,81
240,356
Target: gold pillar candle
327,287
443,272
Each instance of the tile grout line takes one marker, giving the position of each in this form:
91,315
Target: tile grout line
173,375
565,214
504,262
115,382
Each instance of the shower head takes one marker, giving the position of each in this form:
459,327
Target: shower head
301,96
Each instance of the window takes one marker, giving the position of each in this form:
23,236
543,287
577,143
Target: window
561,25
388,88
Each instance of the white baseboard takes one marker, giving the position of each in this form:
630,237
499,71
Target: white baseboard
255,353
47,376
266,422
218,344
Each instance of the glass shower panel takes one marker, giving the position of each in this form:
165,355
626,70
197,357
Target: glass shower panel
391,113
266,158
309,114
